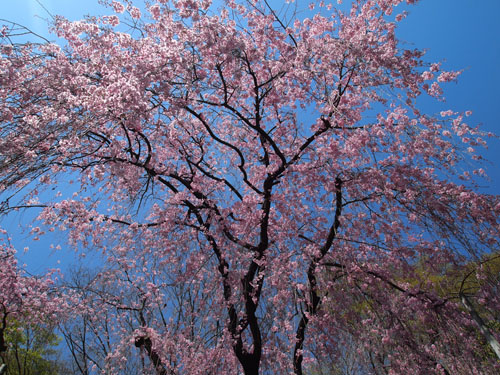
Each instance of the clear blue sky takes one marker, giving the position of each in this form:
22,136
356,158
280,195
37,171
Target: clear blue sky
463,34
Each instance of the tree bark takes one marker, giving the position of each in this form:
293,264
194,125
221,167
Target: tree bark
483,328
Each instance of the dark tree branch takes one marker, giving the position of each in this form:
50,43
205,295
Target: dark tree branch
314,299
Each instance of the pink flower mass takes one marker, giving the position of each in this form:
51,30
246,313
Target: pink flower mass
264,189
24,297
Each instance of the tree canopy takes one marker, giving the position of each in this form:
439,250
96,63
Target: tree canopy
264,187
29,307
31,349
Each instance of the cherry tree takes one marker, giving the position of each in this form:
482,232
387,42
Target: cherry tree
261,183
24,299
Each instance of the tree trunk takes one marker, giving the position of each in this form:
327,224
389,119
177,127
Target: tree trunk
250,366
483,328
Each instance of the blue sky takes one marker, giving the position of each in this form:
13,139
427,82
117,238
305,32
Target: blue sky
463,34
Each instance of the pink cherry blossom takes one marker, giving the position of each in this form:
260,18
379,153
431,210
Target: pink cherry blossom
265,192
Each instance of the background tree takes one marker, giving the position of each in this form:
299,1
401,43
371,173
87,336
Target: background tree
228,155
28,309
450,282
32,350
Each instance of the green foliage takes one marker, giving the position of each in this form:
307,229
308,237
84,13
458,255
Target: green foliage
32,350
